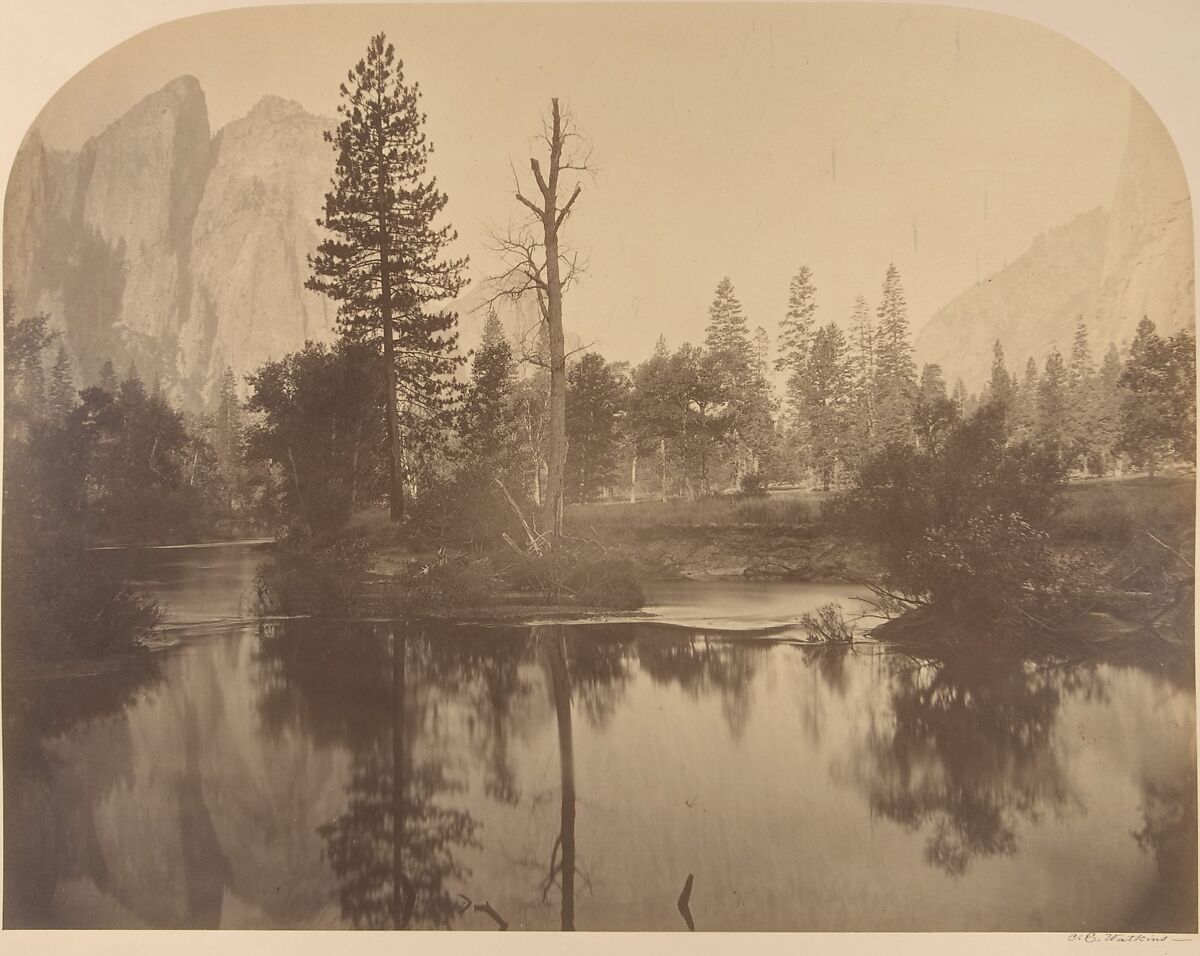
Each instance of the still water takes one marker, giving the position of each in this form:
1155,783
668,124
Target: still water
313,774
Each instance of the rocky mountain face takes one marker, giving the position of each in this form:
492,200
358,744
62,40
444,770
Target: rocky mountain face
1108,267
161,244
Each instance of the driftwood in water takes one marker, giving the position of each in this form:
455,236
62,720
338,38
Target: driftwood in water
684,900
484,907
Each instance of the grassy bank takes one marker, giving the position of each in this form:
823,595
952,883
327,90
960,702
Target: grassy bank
781,509
1117,511
1093,510
1125,539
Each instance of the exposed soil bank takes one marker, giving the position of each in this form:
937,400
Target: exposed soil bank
757,552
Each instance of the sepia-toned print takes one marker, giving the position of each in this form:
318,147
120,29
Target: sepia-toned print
672,467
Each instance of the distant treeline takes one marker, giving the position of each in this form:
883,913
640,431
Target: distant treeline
308,449
116,460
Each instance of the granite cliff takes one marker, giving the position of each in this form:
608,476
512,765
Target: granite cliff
161,244
1108,266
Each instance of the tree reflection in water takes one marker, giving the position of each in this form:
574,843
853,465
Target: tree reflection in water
700,664
1168,835
968,749
393,848
593,668
562,857
826,668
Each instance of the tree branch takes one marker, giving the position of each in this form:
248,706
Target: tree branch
562,214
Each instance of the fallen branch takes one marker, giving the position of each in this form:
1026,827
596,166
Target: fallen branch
1042,624
1159,541
534,540
511,543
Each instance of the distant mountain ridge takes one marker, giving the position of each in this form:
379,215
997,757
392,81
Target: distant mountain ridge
161,244
1108,267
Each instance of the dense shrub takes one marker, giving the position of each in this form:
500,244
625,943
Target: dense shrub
60,602
444,585
961,527
467,508
753,485
312,575
579,573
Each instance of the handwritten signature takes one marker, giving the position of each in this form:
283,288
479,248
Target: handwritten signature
1125,938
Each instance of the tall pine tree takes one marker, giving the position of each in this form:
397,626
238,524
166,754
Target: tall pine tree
596,397
862,351
738,384
1158,407
1052,402
108,377
1000,389
227,438
488,419
936,412
795,337
895,368
1106,424
727,339
386,261
829,403
1081,402
62,395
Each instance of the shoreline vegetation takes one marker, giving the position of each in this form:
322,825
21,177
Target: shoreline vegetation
1119,529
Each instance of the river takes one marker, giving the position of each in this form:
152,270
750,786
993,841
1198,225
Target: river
297,773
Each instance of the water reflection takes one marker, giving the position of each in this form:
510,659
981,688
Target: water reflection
701,666
1167,834
826,665
562,857
206,869
302,773
395,844
49,830
965,749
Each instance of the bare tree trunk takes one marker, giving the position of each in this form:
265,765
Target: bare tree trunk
556,457
550,291
633,480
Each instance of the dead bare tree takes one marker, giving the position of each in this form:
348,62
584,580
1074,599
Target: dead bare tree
537,264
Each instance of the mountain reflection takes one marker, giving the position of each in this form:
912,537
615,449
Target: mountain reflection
968,750
49,825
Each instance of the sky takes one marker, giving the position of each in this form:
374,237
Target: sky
727,140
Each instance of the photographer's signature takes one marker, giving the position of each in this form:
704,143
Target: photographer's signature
1126,938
